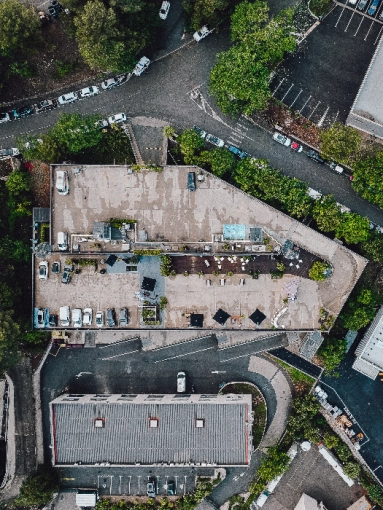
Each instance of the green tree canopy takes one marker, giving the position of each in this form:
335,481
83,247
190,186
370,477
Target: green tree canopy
219,161
45,147
191,144
340,143
351,469
77,132
247,19
274,464
357,316
201,12
332,352
326,213
18,183
318,271
353,228
372,248
368,178
20,27
343,452
9,341
38,489
331,440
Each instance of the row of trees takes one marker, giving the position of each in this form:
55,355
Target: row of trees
240,80
201,12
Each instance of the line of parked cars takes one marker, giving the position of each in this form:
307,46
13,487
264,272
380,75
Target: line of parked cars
372,7
82,318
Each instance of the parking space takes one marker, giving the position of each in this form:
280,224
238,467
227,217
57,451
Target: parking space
322,78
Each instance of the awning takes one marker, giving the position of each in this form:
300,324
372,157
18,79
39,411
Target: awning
257,317
111,260
196,320
221,317
148,284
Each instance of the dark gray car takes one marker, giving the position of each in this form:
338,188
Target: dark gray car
123,317
110,317
191,181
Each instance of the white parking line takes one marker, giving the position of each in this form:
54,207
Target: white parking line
186,354
349,21
185,485
361,21
243,127
336,24
299,93
319,102
283,79
336,116
291,86
138,479
320,123
300,111
377,39
117,343
369,30
130,479
158,483
117,355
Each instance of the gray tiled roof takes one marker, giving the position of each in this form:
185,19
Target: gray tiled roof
127,438
311,344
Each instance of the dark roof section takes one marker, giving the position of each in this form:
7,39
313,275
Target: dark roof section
41,215
111,260
257,317
221,317
196,320
102,230
148,284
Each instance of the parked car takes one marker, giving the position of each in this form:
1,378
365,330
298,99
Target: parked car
381,15
52,321
41,318
362,4
64,316
88,317
66,277
151,487
77,317
164,11
62,241
100,319
9,153
62,182
116,119
109,83
200,131
89,92
238,152
43,270
45,105
314,155
181,382
171,488
372,9
4,117
191,181
141,66
215,140
123,317
336,168
201,33
296,147
56,266
284,140
22,112
110,317
313,193
102,124
68,98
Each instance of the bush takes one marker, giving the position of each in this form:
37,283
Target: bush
331,440
351,469
38,489
44,232
343,452
148,253
318,271
166,265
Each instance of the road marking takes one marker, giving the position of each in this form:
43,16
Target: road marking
186,354
299,93
376,469
369,30
283,79
243,127
349,21
292,85
300,111
117,355
314,109
138,479
320,123
118,343
380,31
185,485
336,24
336,116
176,483
119,485
361,21
130,479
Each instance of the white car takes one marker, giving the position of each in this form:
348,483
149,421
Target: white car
116,119
67,98
64,316
284,140
164,11
4,117
9,153
77,317
88,317
141,66
215,140
89,92
109,83
181,382
201,33
101,124
43,270
100,319
62,182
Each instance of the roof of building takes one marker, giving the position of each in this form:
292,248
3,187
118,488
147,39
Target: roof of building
311,344
335,463
367,111
306,503
151,429
360,504
370,349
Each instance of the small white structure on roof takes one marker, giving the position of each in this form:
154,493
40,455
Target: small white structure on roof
369,353
308,503
334,462
86,498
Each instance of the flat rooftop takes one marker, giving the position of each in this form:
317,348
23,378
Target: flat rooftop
192,227
151,429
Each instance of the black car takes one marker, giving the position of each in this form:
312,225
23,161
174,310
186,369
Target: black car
66,277
52,321
56,267
191,181
45,105
22,112
314,155
171,489
110,317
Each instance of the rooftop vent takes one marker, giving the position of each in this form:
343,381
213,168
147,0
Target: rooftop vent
153,423
200,423
99,423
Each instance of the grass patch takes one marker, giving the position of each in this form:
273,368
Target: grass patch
319,7
301,381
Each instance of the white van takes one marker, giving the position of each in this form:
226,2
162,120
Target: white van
64,316
62,182
62,241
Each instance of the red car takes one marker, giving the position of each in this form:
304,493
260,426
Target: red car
296,147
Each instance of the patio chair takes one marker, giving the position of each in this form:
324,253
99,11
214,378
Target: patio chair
208,283
223,281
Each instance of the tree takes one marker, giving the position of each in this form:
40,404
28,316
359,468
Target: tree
354,228
357,317
38,489
20,28
220,161
293,196
169,131
331,440
373,247
9,341
201,12
332,352
274,464
318,271
99,40
77,132
343,452
128,6
18,183
247,19
190,144
340,143
351,469
368,180
326,212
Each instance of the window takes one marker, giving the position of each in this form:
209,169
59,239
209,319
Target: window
153,423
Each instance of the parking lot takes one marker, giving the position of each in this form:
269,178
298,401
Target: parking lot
322,78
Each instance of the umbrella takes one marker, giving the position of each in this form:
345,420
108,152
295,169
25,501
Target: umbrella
257,317
111,260
148,284
196,320
221,317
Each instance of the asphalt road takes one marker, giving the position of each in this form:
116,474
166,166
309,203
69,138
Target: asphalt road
165,93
